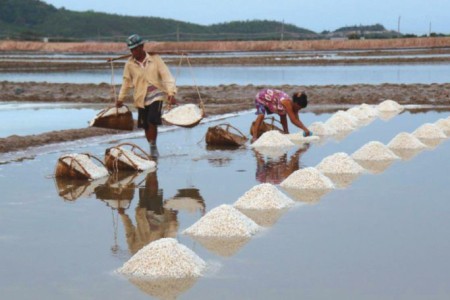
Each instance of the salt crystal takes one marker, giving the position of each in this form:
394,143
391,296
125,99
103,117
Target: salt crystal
374,151
429,131
339,163
405,140
164,258
444,124
85,163
299,138
320,128
389,105
272,138
342,121
307,178
130,158
223,221
263,196
358,112
184,115
370,110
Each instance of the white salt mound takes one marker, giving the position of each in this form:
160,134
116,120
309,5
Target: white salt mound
429,131
298,137
444,124
263,196
164,258
341,121
273,138
358,112
223,221
370,110
374,151
307,178
389,105
405,140
183,115
132,159
320,128
339,163
85,163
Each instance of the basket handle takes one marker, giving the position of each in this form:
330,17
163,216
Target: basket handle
228,126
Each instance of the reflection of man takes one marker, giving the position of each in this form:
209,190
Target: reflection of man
152,220
275,171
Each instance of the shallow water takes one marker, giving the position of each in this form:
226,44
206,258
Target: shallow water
383,237
259,75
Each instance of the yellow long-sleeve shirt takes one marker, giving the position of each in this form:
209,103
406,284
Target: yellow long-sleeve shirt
152,71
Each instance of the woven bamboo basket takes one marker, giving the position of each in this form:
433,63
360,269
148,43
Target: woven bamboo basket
69,167
221,135
267,124
111,118
114,164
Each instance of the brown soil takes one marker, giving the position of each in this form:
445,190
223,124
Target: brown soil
217,99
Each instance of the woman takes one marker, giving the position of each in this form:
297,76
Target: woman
269,101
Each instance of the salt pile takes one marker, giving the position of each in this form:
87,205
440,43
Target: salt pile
263,196
405,140
299,138
184,115
358,112
444,124
273,138
389,106
374,151
223,221
264,217
130,158
342,121
164,258
85,164
320,128
429,131
369,110
339,163
223,246
307,178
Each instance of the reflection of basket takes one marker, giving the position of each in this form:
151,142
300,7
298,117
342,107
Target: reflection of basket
72,189
120,186
265,126
115,118
118,158
79,166
220,135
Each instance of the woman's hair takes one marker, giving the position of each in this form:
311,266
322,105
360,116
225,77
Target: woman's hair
301,99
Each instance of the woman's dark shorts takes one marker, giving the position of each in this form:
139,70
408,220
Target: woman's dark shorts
150,114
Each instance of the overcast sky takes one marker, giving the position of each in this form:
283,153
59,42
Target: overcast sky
317,15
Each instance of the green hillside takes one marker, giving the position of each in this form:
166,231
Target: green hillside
34,19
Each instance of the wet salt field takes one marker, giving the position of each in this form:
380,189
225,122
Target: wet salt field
383,237
257,75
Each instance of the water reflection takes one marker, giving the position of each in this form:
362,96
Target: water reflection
274,171
71,189
118,191
153,221
164,288
188,199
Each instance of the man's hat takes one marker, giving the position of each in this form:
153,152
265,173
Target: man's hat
134,40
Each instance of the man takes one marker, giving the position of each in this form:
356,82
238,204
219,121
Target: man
153,84
275,101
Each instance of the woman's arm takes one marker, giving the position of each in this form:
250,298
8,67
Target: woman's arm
293,116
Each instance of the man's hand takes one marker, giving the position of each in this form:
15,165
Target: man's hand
172,100
119,104
307,133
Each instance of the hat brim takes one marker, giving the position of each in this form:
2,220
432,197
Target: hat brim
136,45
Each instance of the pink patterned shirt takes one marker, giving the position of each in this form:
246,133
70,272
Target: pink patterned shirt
270,99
